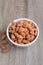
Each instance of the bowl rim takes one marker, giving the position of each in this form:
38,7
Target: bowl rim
23,45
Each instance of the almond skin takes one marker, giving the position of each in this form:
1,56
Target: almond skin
3,37
4,50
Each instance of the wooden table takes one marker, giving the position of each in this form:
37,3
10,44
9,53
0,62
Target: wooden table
12,9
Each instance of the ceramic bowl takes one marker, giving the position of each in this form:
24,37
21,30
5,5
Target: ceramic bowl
23,45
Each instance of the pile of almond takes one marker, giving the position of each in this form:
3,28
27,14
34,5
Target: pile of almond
4,42
23,32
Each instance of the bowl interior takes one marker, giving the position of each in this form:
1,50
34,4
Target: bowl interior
23,45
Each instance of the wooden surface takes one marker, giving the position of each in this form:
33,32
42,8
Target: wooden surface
12,9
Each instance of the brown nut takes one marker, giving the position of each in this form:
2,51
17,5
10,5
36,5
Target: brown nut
17,28
12,36
11,31
12,26
19,24
21,29
3,37
25,22
23,34
25,41
4,41
18,36
2,46
3,31
19,41
4,50
28,36
32,37
32,31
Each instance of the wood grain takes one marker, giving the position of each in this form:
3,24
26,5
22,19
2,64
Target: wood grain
12,9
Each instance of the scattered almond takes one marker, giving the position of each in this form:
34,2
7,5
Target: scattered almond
3,37
4,50
4,41
3,31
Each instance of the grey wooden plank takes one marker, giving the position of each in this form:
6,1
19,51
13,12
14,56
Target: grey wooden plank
35,8
12,9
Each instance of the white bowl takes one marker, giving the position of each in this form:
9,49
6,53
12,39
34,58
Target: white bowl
23,45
